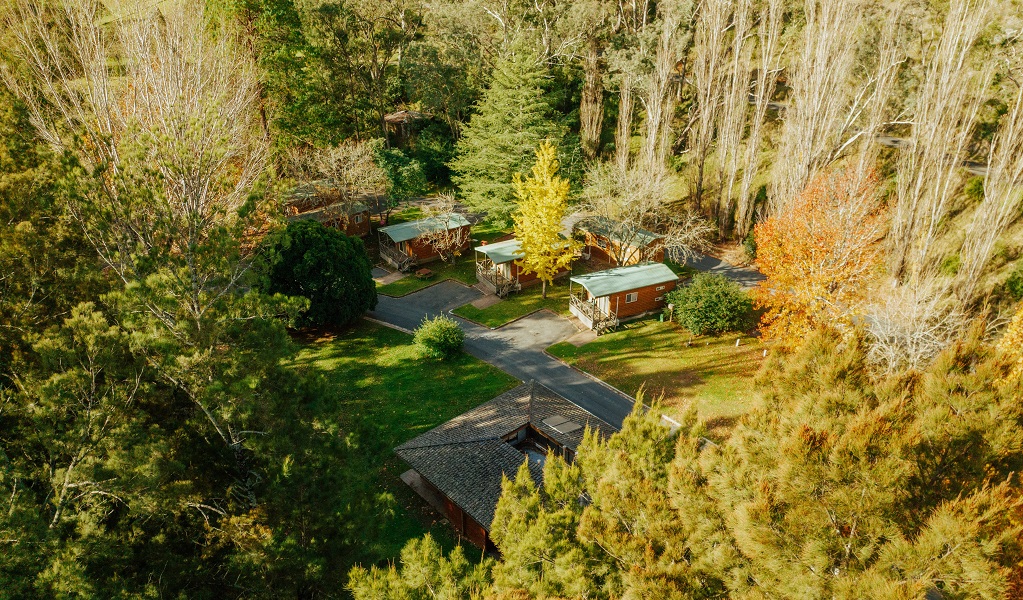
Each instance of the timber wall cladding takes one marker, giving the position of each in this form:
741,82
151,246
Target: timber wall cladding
358,229
646,301
593,243
420,250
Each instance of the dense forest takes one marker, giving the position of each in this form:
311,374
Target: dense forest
155,440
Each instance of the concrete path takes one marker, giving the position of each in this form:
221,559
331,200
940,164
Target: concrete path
744,276
516,348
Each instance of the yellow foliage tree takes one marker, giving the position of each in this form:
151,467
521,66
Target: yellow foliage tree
820,256
543,201
1012,344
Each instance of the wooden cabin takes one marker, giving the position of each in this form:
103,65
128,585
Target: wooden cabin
458,466
498,270
356,225
618,245
407,245
317,200
605,298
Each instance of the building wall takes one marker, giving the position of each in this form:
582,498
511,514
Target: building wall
462,522
528,279
358,229
646,302
423,252
593,243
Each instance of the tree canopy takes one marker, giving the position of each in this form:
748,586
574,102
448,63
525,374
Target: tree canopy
323,265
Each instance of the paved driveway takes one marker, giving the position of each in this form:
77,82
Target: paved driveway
516,349
744,276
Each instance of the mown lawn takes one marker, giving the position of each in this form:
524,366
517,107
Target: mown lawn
379,385
712,372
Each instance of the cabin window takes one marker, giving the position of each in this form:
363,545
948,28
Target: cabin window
358,218
659,288
631,297
601,243
658,299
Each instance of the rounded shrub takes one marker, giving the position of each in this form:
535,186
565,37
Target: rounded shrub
440,337
1014,284
322,264
711,304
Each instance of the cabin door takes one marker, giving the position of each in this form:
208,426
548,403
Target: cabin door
604,303
505,269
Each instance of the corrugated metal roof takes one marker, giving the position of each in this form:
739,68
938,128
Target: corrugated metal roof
613,231
402,232
502,252
624,279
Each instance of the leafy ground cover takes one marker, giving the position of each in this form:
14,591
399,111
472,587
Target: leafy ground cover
377,384
711,372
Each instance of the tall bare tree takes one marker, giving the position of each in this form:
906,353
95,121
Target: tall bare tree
734,109
710,50
1003,197
161,106
628,203
769,29
817,118
341,177
947,103
673,28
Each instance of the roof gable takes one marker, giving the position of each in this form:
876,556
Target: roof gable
624,279
402,232
502,252
466,457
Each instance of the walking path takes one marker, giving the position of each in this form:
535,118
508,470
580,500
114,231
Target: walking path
516,349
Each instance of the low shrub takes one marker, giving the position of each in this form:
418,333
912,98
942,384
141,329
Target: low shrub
1014,284
711,304
440,337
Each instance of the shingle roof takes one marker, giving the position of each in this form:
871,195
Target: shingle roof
403,232
624,279
466,457
502,252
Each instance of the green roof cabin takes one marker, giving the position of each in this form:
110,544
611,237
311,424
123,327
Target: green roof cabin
601,299
407,245
498,271
617,243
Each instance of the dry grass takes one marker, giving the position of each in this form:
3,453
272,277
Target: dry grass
712,372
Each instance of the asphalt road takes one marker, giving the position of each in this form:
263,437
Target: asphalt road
516,349
744,276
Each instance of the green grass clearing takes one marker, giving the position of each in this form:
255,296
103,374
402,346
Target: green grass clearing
379,384
712,373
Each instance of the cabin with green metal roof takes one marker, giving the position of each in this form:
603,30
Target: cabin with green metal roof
498,270
604,298
619,243
406,245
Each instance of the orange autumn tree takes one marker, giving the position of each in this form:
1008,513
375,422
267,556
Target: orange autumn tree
820,255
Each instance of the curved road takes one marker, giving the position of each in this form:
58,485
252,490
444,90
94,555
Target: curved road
516,349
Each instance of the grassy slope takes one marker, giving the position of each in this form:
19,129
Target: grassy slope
380,384
712,372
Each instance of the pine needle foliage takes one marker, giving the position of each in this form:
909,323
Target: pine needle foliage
511,120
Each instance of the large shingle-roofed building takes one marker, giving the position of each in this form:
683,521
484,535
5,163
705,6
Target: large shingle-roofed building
461,462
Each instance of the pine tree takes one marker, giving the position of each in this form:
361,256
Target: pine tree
511,119
543,201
